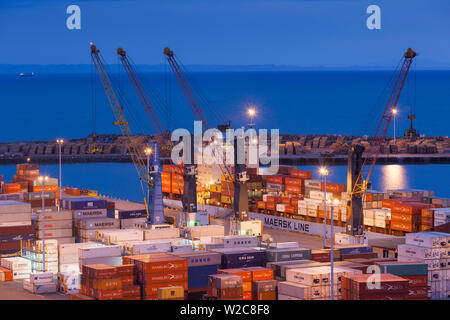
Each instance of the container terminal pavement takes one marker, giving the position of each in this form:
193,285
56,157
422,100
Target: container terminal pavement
96,249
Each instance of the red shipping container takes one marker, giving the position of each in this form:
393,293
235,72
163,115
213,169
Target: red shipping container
294,202
290,209
166,175
270,206
301,174
289,181
333,187
275,179
409,208
285,200
402,226
387,203
293,189
271,199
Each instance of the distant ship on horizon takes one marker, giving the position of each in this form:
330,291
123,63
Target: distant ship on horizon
26,74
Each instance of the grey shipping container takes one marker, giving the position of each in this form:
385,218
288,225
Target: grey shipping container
197,259
239,258
288,254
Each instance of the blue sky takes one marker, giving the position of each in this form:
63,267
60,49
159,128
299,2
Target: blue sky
306,33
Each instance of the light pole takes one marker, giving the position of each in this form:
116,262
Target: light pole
42,179
148,152
324,172
333,204
251,112
59,142
394,112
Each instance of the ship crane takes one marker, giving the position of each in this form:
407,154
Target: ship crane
154,207
360,167
240,199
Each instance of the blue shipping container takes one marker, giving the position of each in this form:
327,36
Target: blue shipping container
83,203
356,250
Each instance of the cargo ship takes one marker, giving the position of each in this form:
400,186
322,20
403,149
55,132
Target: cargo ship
298,196
30,74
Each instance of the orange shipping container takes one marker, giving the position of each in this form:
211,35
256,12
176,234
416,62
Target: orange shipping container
402,226
290,209
275,179
164,264
409,208
107,284
333,187
405,217
151,290
293,189
172,168
261,204
293,182
246,275
260,273
247,295
301,174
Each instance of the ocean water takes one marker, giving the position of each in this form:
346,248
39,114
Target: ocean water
51,105
120,180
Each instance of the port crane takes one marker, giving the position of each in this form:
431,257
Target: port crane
360,167
240,199
154,207
162,134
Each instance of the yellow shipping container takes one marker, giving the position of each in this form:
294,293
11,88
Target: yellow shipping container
227,177
215,188
168,293
225,199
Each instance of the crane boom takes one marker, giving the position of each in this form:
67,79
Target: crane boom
137,85
360,168
239,204
187,91
383,125
133,149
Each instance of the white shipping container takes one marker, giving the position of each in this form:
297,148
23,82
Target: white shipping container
16,263
285,297
55,215
55,233
69,268
302,204
157,234
15,217
293,289
145,247
111,261
320,195
17,207
54,224
281,207
380,223
41,277
426,239
96,252
120,235
302,211
311,213
72,248
412,251
205,231
368,221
